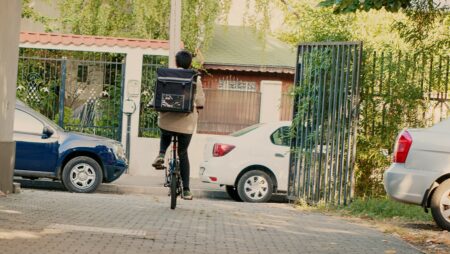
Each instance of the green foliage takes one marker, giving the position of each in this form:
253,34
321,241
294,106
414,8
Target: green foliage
28,12
369,167
68,118
426,27
346,6
148,118
309,23
147,19
305,22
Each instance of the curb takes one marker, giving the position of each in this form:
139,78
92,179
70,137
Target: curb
112,188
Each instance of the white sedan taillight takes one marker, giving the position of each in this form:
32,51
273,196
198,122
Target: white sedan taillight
220,150
402,146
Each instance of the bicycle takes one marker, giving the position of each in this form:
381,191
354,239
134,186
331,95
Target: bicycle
173,176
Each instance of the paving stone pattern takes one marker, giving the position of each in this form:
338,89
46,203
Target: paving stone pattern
60,222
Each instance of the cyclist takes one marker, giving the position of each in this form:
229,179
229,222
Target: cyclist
181,125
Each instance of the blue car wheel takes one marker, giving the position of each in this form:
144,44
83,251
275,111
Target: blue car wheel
82,174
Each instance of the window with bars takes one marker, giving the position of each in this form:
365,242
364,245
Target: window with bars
237,85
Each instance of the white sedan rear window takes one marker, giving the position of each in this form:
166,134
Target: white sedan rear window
246,130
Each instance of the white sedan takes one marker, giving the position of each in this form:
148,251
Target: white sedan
252,163
420,173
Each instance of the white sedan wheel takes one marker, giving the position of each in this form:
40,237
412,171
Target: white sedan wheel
255,186
440,205
444,205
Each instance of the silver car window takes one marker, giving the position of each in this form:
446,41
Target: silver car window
24,122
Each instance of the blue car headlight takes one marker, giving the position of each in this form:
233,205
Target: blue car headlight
118,151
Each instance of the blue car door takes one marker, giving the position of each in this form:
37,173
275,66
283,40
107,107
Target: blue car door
34,151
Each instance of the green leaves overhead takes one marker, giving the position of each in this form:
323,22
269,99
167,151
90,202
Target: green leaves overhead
146,19
346,6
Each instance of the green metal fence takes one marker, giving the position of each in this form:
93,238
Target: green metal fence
148,118
403,90
325,122
80,91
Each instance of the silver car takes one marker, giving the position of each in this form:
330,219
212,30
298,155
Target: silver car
420,172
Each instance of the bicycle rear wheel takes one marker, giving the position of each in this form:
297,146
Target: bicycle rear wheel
173,191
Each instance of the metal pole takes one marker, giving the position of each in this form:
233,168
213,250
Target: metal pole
127,147
175,31
62,92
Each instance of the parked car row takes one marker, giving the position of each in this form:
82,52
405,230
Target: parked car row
252,163
45,150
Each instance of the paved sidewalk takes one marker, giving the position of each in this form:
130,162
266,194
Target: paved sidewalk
50,222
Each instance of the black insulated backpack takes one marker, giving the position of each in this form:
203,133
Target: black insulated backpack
175,90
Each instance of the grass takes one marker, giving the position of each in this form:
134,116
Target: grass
384,208
374,208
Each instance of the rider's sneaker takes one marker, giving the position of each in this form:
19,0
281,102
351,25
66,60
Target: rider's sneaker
158,163
187,195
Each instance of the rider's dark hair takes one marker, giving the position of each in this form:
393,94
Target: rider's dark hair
183,59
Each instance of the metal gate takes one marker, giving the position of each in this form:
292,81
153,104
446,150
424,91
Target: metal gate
79,91
325,122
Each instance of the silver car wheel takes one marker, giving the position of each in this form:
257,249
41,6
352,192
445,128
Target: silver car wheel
256,187
444,205
82,176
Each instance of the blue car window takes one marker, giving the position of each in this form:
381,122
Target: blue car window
24,122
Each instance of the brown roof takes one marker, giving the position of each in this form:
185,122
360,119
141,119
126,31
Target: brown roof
89,40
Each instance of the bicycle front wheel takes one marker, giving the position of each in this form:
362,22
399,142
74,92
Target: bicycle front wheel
173,191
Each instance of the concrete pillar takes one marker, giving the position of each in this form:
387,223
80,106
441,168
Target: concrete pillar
10,13
270,101
175,31
132,91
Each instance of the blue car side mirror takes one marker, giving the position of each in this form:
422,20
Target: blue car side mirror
47,132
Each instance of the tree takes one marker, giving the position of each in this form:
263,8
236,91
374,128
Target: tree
345,6
146,19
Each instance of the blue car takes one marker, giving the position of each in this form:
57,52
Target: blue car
45,150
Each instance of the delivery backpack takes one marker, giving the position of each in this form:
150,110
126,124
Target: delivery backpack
175,90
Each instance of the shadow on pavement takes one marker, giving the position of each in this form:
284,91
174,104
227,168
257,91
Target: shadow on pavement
40,184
